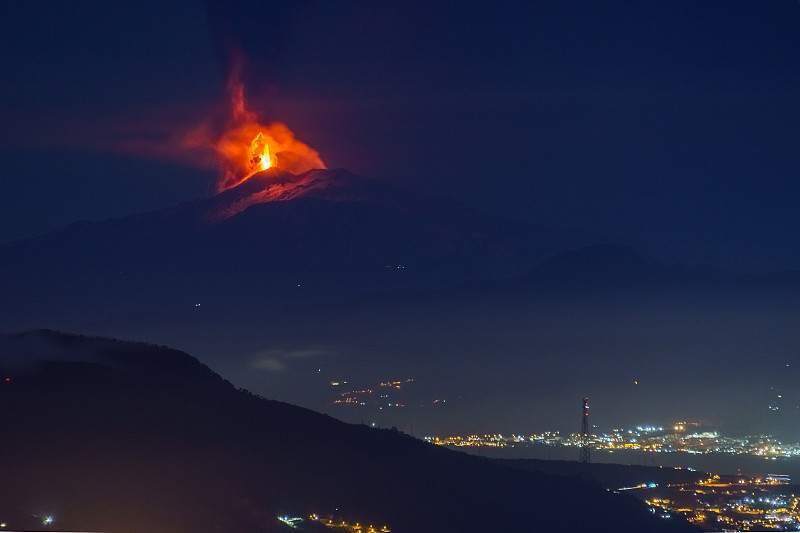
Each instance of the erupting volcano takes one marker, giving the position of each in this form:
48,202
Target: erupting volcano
247,147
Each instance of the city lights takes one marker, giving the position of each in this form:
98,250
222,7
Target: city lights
730,503
648,439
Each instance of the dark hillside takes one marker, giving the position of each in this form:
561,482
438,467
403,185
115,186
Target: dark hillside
117,437
609,475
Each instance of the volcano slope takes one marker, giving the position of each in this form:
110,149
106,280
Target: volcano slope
121,437
277,239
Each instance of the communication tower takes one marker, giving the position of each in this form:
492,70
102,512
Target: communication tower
585,432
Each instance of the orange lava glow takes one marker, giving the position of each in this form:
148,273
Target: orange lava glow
247,146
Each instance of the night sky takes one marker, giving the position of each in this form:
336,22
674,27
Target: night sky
672,126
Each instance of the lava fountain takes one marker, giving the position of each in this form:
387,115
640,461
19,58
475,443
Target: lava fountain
247,147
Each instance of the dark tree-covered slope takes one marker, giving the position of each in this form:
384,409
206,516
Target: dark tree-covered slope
123,437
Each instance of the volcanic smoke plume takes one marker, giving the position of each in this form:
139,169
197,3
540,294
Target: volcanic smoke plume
246,146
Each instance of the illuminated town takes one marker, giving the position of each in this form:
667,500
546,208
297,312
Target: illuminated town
389,394
727,503
681,437
377,396
335,523
714,503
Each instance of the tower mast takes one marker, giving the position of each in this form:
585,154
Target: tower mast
585,432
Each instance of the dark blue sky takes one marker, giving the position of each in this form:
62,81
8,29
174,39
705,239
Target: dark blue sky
674,126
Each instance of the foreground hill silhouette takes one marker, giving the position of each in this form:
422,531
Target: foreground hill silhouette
121,437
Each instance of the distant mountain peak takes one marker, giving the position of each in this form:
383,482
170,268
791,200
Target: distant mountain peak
600,262
618,265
